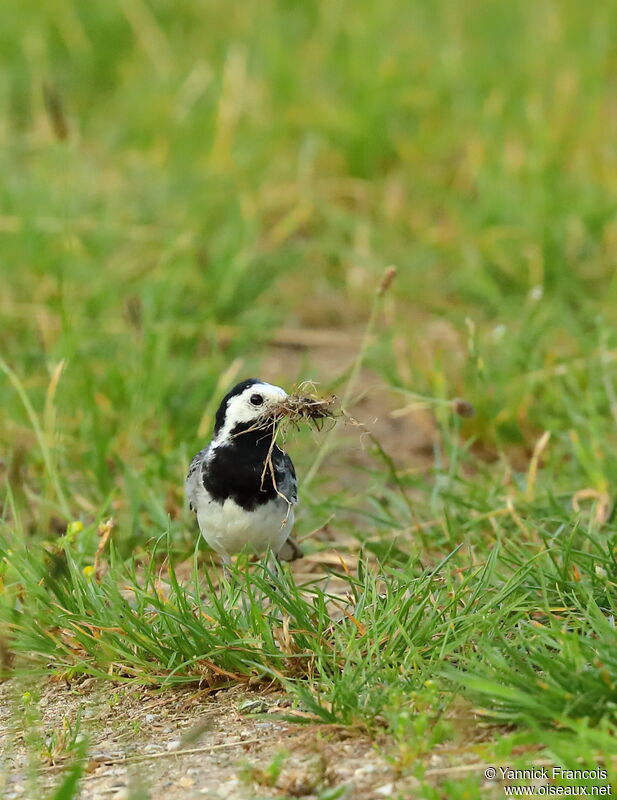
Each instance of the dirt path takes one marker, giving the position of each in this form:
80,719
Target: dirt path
177,745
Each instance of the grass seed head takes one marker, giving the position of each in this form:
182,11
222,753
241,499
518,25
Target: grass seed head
462,407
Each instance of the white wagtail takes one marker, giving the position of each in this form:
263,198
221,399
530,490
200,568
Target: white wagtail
242,486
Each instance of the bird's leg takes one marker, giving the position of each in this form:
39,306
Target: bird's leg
226,564
272,563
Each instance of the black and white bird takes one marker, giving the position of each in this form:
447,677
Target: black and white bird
242,486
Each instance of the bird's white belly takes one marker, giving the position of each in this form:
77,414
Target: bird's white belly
228,528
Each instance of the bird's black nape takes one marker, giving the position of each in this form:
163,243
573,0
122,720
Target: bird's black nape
219,420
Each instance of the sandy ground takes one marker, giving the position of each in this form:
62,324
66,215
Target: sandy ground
180,744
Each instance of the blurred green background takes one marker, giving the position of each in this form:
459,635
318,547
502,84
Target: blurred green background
181,180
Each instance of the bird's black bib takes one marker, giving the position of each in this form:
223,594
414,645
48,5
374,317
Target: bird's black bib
240,470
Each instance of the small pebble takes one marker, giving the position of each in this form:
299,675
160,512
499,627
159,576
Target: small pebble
253,707
385,790
173,745
229,789
99,758
366,768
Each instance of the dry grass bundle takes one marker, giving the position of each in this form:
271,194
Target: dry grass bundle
296,408
290,412
293,410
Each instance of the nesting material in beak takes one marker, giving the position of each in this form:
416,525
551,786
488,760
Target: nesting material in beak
297,408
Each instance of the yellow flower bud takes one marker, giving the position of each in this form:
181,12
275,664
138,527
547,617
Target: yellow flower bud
74,527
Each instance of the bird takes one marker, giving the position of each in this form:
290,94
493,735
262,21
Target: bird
242,486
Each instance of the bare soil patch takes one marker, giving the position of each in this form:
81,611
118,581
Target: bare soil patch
181,744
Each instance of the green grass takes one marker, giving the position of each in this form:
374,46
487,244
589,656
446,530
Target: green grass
230,172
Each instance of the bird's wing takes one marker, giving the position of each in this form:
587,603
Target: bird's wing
286,482
193,477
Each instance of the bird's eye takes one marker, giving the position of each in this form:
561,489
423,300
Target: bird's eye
256,399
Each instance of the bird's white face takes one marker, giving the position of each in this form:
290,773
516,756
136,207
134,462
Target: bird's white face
250,405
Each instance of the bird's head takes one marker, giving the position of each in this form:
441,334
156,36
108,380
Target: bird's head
250,403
